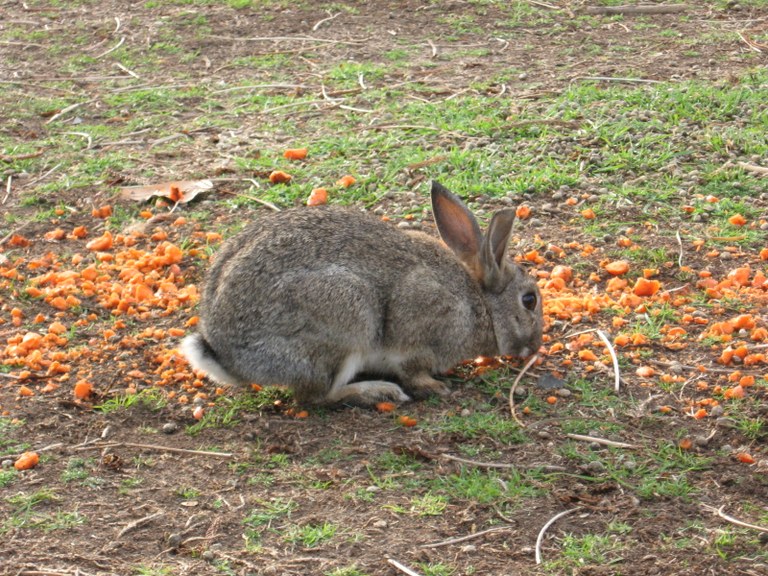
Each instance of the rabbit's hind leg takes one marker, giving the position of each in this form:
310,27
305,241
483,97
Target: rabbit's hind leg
366,393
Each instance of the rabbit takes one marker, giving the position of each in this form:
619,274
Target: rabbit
317,298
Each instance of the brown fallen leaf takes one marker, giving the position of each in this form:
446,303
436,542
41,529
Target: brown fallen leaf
177,191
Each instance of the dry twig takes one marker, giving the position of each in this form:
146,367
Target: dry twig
136,523
614,359
467,537
551,521
159,448
514,387
602,441
402,568
732,520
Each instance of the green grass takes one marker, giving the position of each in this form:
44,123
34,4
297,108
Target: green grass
311,535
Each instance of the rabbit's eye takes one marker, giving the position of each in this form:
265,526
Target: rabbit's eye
530,300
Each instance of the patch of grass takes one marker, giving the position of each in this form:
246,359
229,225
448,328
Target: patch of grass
26,513
483,487
480,425
589,549
151,398
8,477
227,410
311,535
427,505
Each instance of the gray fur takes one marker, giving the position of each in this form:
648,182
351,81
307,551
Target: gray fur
313,297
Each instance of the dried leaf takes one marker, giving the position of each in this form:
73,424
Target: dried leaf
177,191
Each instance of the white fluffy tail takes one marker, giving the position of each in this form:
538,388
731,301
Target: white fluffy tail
200,355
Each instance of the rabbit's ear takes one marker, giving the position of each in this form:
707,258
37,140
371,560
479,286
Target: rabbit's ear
458,227
495,248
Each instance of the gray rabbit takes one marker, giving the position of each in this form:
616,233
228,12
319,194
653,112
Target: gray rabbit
347,309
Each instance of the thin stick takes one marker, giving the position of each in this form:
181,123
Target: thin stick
160,448
551,521
434,48
476,463
10,234
83,135
263,87
629,10
680,243
753,168
321,22
601,441
115,47
514,387
130,72
403,569
136,523
63,111
465,538
7,188
733,520
612,79
429,162
13,158
291,39
614,359
543,5
254,198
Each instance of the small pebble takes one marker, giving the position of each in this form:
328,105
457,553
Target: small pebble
564,392
595,466
208,556
520,392
466,412
373,489
7,463
170,427
717,411
544,435
380,524
725,422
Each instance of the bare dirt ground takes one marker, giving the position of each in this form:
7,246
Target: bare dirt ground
126,491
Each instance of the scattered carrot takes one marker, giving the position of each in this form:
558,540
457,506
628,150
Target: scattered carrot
617,267
407,421
737,220
386,406
745,457
318,197
83,389
103,242
27,461
645,287
280,177
523,212
295,153
551,399
346,181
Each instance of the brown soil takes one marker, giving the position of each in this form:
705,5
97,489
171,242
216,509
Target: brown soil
332,465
